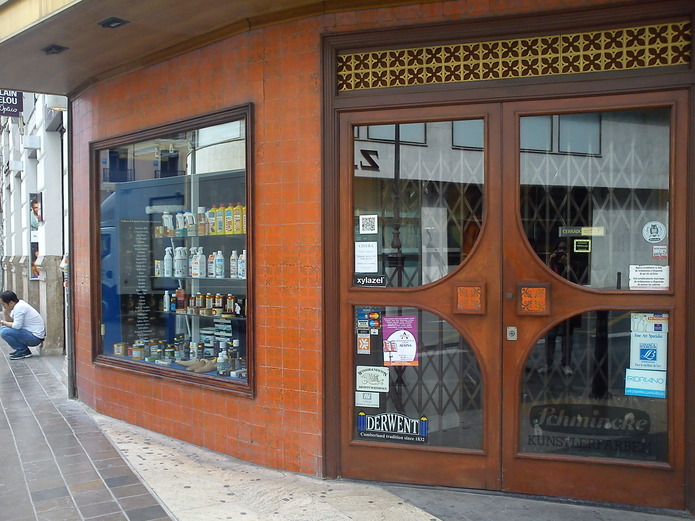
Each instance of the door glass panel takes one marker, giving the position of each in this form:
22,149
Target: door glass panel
595,387
418,200
600,187
417,380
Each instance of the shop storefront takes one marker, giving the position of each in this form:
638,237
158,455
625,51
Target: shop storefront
454,253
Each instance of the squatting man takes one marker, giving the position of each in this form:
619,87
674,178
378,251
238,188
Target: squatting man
22,325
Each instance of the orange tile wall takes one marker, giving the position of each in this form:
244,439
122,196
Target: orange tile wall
278,69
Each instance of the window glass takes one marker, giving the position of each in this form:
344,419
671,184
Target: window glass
408,132
175,258
600,218
596,386
469,133
580,133
418,209
417,381
537,133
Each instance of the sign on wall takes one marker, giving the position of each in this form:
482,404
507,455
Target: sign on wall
11,103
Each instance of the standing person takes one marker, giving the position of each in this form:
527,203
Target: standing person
22,325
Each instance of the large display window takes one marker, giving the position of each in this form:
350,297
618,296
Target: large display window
176,261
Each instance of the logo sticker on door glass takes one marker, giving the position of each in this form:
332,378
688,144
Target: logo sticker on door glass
654,231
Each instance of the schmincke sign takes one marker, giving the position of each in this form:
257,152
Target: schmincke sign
11,103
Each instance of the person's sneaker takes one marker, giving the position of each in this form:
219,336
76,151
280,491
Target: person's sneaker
19,356
567,370
545,369
15,352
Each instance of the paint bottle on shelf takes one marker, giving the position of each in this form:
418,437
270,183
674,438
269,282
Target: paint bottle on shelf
167,224
219,265
202,267
202,221
229,219
233,265
241,265
238,216
219,218
212,220
191,226
168,262
180,224
211,264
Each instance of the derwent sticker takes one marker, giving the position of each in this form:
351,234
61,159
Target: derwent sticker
392,426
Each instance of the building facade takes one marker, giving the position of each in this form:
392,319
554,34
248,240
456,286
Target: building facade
34,206
442,243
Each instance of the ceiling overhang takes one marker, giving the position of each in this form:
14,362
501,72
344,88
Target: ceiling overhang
156,30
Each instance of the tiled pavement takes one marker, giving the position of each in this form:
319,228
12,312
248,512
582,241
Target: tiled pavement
55,463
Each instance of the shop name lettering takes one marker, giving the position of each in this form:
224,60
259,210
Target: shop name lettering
393,423
371,281
9,100
392,426
589,444
645,380
590,420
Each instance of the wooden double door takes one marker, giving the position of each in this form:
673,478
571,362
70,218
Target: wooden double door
512,297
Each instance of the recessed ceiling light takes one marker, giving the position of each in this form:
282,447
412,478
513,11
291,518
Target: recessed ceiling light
54,49
113,23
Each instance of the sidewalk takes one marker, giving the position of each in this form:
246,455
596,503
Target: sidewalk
73,473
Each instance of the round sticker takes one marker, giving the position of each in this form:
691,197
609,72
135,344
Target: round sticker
654,232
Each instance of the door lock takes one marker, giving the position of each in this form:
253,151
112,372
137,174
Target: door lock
511,333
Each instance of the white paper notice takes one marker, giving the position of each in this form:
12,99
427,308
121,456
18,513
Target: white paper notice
648,276
366,257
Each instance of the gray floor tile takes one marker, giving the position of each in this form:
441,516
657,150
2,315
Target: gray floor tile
147,513
92,497
145,500
49,493
54,504
119,481
130,490
64,514
98,509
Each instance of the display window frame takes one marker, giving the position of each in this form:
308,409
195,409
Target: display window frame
107,358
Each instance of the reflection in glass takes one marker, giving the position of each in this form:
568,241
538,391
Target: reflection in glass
431,391
601,185
606,397
418,207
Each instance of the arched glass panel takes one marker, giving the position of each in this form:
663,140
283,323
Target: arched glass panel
417,381
595,387
598,184
418,200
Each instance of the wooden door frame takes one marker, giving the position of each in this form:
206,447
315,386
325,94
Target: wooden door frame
335,103
564,299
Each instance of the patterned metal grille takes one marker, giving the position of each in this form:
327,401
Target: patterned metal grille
596,347
446,386
659,45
